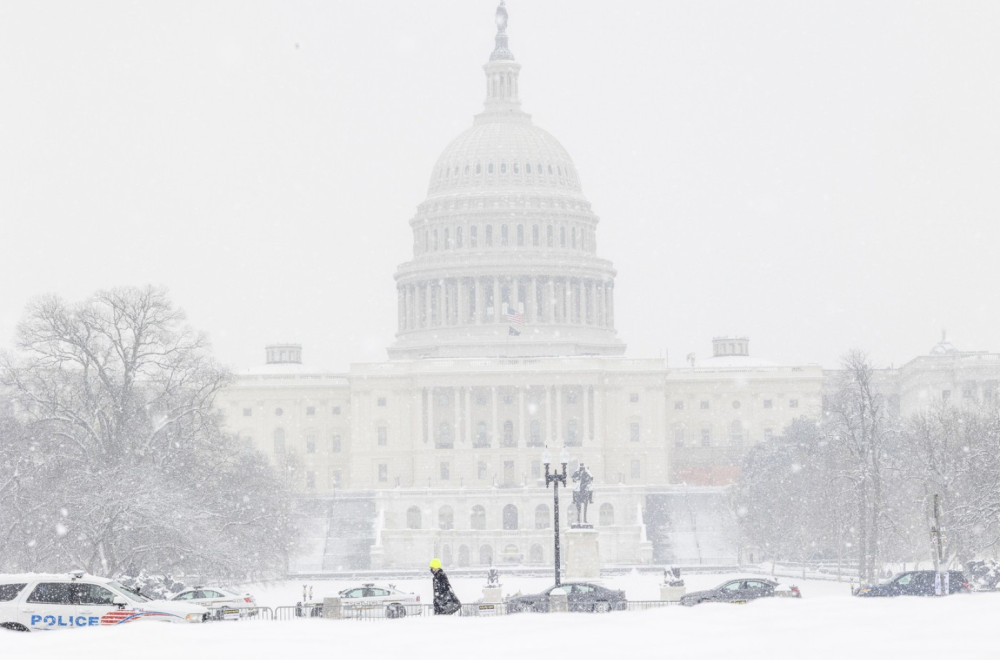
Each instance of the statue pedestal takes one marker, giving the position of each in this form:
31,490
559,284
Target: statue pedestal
671,593
333,608
492,594
558,601
583,558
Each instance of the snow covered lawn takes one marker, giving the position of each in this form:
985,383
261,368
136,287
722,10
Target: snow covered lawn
826,623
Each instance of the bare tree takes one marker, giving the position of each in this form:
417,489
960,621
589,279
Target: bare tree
858,424
117,395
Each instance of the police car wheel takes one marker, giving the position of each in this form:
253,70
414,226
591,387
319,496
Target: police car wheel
10,625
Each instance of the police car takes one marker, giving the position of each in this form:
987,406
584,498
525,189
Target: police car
36,601
222,603
368,601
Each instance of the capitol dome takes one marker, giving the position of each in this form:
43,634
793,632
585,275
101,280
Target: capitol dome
504,246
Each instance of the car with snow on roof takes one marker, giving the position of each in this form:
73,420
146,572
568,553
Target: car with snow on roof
368,601
43,601
740,590
917,583
224,604
580,597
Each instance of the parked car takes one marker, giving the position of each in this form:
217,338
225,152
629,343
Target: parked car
37,601
222,603
367,601
580,597
740,590
915,583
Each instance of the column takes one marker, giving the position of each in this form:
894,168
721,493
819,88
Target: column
611,306
442,292
427,304
496,301
456,428
559,426
586,415
479,300
550,300
430,415
522,440
496,415
468,414
462,304
531,309
591,303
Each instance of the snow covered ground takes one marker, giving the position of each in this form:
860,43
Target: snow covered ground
826,623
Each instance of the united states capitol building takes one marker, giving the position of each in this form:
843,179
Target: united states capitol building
506,348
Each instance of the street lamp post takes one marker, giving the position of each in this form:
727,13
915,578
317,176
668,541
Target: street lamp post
555,479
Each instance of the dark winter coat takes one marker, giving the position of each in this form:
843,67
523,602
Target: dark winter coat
445,600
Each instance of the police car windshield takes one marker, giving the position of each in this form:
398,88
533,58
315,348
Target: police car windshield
131,593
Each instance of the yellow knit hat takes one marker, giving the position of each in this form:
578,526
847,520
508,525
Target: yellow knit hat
435,563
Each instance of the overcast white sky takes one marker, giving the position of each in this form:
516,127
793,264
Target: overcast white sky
815,175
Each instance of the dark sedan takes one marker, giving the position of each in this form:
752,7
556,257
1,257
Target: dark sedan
741,590
916,583
580,597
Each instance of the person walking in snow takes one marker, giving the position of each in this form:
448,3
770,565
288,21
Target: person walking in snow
445,600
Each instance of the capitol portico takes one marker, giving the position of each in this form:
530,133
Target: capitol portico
506,345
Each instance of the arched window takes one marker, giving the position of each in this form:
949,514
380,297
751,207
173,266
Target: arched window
503,168
479,168
573,236
542,517
446,518
413,518
478,518
527,168
535,555
279,441
458,237
489,168
510,517
488,239
562,237
508,434
534,235
486,555
463,555
520,235
511,553
446,555
473,236
607,515
548,236
504,238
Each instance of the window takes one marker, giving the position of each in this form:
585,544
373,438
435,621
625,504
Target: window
310,410
53,593
383,472
573,433
383,436
607,515
633,397
635,468
458,237
634,432
91,594
706,437
793,403
678,405
736,433
542,517
278,412
445,471
446,518
571,396
768,403
678,438
488,237
247,412
310,444
510,517
310,480
482,438
503,235
413,518
508,434
548,236
768,435
10,591
481,470
477,519
520,235
704,405
535,433
279,441
536,469
335,443
335,479
473,236
736,405
444,438
381,402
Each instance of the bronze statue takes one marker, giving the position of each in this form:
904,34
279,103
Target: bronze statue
583,495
